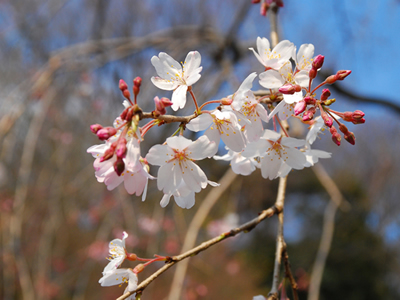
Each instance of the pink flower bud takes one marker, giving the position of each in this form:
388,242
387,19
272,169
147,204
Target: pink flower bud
325,94
137,82
336,138
310,100
331,79
358,114
136,90
327,119
279,3
139,268
350,137
318,62
105,133
342,74
300,107
263,9
312,73
119,166
129,115
122,85
95,127
255,1
287,89
161,104
120,151
108,153
131,256
343,128
124,113
348,116
309,114
358,121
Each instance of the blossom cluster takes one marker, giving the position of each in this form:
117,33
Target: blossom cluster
246,124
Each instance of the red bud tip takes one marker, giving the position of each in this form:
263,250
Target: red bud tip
161,104
325,94
336,138
279,3
95,127
119,166
137,82
287,89
300,107
360,121
312,73
350,137
309,114
108,153
263,9
255,1
318,62
310,100
105,133
139,268
327,120
342,74
122,85
358,114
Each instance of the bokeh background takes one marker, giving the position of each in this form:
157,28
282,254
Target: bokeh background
61,61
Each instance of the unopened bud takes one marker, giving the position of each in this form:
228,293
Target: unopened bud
105,133
131,256
129,115
312,73
350,137
310,100
336,138
358,121
137,82
300,107
279,3
139,268
122,85
95,127
331,79
120,151
318,62
255,1
264,8
161,104
287,89
348,116
124,113
325,94
342,74
358,114
136,90
119,166
309,114
343,128
327,119
108,153
226,101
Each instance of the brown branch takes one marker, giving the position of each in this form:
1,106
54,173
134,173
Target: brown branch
288,272
205,245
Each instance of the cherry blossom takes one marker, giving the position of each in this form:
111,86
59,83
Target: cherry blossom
117,253
120,276
313,155
303,59
176,77
224,125
240,164
277,57
176,160
278,154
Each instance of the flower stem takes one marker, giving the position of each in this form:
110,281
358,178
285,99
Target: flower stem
194,99
317,87
283,128
209,102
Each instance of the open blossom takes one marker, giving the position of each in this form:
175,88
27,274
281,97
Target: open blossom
117,253
176,77
277,57
313,155
304,57
221,125
278,154
176,160
248,110
240,164
120,276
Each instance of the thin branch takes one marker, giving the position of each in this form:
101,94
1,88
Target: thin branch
205,245
289,274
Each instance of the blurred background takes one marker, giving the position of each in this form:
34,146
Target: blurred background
61,61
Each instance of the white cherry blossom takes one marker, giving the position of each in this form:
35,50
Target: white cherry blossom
277,57
117,253
120,276
176,77
304,57
240,164
313,155
276,154
176,160
224,125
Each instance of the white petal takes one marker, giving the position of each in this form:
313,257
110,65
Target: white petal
257,148
271,79
200,123
247,84
295,158
192,62
169,62
179,97
271,135
263,48
262,112
185,202
193,176
303,58
133,281
192,79
201,148
165,200
115,277
179,142
169,177
164,84
113,180
302,78
270,166
292,142
159,155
